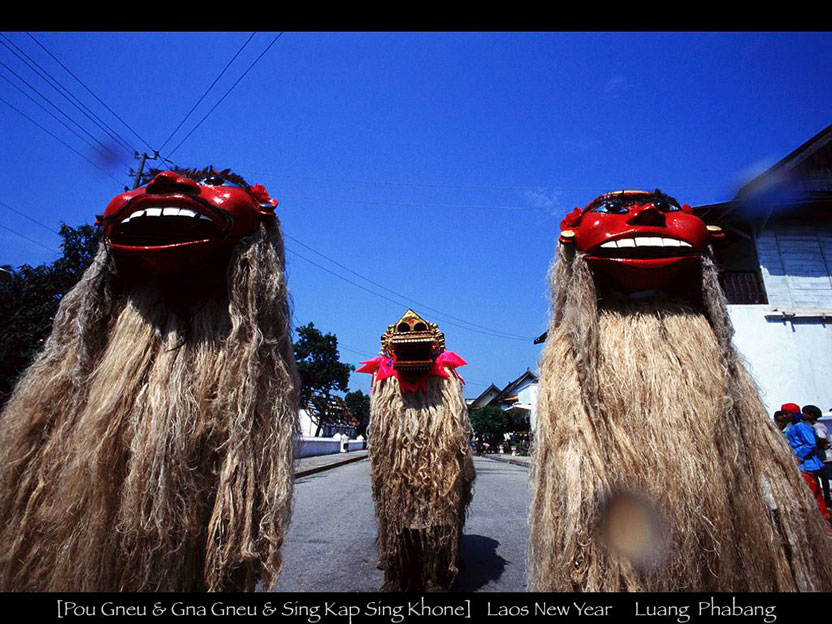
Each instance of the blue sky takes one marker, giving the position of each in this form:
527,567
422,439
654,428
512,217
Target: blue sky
438,165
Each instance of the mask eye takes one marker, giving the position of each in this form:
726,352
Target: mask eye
610,206
213,180
665,206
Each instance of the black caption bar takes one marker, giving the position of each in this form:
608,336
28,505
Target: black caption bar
378,608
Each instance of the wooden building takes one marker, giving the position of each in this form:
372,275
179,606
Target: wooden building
776,270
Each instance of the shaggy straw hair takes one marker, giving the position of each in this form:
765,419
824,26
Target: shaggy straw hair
422,472
150,445
656,466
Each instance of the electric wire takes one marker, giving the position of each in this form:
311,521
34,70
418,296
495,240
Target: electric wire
104,104
67,95
61,141
56,107
393,292
53,115
31,240
199,101
397,303
225,94
32,219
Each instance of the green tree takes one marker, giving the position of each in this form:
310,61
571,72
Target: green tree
319,364
29,301
359,405
490,423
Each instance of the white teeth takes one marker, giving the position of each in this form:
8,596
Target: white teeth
646,241
169,211
136,214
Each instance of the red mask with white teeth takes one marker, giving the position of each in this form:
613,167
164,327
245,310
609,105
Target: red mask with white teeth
180,221
638,240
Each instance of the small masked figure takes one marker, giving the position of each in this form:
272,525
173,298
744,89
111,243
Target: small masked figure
150,445
420,456
655,464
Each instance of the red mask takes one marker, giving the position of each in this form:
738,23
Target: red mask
177,223
637,239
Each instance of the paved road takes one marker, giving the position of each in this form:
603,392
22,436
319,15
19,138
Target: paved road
331,545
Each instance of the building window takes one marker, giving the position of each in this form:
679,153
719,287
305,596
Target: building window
743,287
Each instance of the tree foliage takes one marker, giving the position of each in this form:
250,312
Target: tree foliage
489,421
359,406
29,301
319,364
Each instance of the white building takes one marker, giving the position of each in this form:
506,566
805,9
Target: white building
327,426
776,270
518,398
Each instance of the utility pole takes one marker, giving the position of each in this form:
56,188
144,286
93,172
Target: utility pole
142,159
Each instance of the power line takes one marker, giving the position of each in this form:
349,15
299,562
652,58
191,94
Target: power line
56,107
126,125
362,287
199,101
418,303
31,240
226,94
61,141
33,220
53,115
67,95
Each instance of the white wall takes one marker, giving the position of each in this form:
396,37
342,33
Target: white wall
791,361
311,446
528,396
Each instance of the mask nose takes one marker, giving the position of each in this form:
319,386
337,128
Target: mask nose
646,215
171,182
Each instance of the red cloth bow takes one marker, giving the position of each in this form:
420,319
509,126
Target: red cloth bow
382,368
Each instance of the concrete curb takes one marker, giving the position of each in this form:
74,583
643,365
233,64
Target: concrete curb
507,460
303,472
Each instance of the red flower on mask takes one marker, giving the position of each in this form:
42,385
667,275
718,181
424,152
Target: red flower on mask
262,195
571,219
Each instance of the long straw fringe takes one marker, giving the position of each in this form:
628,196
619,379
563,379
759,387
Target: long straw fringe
651,399
422,474
150,445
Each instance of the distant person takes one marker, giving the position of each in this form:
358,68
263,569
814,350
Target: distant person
802,439
813,413
782,420
791,414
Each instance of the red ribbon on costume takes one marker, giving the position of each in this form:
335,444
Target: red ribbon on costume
382,368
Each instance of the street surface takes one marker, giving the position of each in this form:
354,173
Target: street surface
330,545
